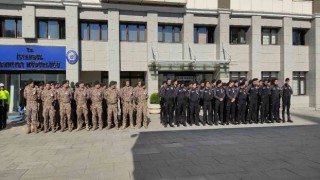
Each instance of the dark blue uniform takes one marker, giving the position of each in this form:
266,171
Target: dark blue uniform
194,100
182,98
231,106
253,92
275,100
219,93
169,97
207,96
286,101
242,104
264,92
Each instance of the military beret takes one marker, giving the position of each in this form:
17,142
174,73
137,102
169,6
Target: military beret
64,82
30,81
97,83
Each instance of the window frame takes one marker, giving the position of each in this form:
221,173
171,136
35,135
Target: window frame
100,23
172,32
126,24
299,78
270,33
245,28
300,32
238,75
61,28
2,26
209,30
270,77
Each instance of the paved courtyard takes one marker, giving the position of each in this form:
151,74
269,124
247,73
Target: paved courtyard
268,151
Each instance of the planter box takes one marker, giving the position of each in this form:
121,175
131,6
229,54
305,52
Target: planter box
154,108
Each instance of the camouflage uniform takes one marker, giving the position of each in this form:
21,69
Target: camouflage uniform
31,95
40,111
48,97
142,96
81,96
112,96
96,96
126,94
64,97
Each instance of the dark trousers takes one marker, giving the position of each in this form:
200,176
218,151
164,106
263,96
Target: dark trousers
194,112
3,117
169,105
231,111
207,112
253,108
275,107
264,111
286,103
181,112
162,111
218,110
242,108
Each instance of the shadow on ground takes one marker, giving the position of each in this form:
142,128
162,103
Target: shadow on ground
246,153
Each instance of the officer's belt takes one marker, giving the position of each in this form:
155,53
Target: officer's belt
65,102
112,103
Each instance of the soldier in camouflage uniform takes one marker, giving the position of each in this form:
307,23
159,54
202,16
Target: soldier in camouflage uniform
112,96
64,97
32,95
96,96
48,97
81,96
126,95
142,97
40,107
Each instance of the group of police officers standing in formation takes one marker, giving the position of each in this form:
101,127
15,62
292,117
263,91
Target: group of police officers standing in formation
50,106
236,102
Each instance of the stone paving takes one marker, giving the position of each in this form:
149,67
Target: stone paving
268,151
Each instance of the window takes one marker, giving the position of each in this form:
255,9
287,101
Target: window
298,36
269,75
132,32
95,31
269,36
51,29
10,27
203,35
169,33
238,35
299,83
238,75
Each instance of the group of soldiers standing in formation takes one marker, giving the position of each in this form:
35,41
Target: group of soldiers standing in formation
235,102
51,105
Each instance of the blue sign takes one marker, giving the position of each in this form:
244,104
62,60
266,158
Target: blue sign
72,57
18,57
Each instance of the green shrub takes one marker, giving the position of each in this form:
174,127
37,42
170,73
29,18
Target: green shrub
154,98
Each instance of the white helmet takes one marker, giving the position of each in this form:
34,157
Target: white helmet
1,85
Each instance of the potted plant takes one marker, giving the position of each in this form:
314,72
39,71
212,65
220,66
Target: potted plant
154,107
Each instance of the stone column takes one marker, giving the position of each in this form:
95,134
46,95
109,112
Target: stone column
285,40
187,35
28,21
72,40
313,76
114,45
152,40
222,43
255,48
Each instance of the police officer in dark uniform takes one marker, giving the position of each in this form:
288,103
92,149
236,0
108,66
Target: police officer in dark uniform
286,99
181,97
169,96
231,103
162,103
275,99
253,91
242,103
207,96
219,95
189,88
264,92
194,99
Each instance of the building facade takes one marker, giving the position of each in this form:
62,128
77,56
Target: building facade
151,40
